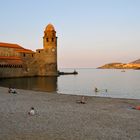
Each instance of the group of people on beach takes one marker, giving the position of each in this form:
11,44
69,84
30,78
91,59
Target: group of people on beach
12,90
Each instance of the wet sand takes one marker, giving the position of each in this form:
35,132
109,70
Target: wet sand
59,117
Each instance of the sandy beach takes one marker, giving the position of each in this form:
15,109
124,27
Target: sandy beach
59,117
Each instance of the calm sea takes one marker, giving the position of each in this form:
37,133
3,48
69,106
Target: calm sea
117,83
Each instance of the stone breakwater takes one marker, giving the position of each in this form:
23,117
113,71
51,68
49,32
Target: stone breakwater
59,117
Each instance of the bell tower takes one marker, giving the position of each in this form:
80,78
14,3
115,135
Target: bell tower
50,50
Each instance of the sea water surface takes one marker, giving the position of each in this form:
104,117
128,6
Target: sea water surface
117,83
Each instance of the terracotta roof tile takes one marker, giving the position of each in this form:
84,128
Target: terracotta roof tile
9,45
10,57
25,51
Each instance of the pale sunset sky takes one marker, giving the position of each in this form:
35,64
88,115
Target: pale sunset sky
90,32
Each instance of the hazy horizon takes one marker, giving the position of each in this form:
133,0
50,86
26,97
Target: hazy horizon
90,33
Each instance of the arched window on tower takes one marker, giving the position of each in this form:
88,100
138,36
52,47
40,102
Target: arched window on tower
47,39
52,39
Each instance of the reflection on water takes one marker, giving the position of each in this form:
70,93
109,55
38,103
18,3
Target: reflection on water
33,83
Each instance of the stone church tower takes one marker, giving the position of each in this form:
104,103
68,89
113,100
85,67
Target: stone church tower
50,49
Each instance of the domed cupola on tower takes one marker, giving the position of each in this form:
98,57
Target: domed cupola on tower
50,39
49,27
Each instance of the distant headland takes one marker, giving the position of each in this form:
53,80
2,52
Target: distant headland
132,65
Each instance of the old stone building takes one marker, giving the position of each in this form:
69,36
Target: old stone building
16,61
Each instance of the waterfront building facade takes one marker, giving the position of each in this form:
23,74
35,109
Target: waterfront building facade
16,61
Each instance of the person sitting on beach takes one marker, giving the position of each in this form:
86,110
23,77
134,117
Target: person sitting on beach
82,101
14,91
32,111
9,90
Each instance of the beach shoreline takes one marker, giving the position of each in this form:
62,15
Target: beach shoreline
59,117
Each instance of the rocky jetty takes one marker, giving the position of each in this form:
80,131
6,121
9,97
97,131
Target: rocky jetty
68,73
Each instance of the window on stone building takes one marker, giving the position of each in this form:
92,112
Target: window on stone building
32,55
39,51
47,39
24,54
52,39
